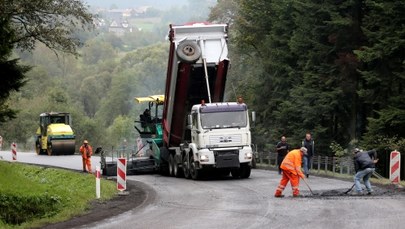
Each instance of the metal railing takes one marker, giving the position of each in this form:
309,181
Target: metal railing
319,164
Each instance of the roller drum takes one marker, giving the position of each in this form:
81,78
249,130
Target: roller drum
62,147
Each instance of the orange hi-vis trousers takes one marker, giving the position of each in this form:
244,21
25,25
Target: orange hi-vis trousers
294,180
86,163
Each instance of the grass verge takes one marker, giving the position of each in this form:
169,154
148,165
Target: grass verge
31,196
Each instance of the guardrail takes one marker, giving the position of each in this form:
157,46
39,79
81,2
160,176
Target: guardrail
319,164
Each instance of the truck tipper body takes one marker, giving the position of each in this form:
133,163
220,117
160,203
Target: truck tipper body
200,130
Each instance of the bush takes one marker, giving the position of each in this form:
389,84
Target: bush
17,209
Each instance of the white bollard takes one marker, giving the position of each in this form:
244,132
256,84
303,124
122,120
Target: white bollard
395,167
122,175
14,151
98,192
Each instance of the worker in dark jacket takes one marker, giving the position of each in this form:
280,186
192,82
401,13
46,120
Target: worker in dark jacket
364,165
282,148
308,143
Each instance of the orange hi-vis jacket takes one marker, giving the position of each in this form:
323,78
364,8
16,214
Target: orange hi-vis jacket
86,152
292,162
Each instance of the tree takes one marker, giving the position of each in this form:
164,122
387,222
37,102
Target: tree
12,74
49,22
96,50
24,23
122,128
225,11
308,68
383,73
325,94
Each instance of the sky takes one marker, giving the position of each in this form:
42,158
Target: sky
159,4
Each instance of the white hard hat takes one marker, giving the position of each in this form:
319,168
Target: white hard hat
304,150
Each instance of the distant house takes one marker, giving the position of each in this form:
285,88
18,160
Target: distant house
119,13
140,11
120,27
117,20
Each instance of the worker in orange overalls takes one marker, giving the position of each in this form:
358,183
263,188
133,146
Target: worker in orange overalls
291,167
86,152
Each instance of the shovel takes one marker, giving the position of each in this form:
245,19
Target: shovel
305,181
350,189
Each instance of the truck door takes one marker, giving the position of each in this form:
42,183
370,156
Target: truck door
194,127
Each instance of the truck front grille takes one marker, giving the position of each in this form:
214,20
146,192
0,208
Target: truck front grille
221,139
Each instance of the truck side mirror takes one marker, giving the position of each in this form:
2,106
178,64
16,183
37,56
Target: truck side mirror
189,122
253,118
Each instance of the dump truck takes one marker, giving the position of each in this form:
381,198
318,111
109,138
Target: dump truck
201,132
198,132
54,135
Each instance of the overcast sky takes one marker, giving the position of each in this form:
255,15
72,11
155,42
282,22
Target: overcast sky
159,4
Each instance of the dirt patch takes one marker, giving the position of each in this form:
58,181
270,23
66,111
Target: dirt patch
138,194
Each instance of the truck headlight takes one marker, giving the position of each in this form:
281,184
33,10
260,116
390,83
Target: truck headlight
204,158
248,155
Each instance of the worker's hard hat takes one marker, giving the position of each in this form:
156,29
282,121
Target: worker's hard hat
85,142
304,150
356,150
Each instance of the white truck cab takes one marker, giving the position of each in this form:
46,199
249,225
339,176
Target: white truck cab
220,137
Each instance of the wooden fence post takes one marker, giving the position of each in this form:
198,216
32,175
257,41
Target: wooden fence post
268,158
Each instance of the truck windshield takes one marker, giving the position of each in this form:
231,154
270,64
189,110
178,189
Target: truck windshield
230,119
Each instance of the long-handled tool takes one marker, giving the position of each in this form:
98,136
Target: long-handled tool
350,189
305,181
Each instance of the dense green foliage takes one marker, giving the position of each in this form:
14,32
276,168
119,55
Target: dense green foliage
334,68
17,209
32,195
99,94
99,85
24,23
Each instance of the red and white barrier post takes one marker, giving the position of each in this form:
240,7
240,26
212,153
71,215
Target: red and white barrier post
14,151
122,174
98,176
395,167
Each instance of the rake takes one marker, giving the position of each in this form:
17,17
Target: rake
305,181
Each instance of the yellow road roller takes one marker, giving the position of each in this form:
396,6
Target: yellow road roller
55,135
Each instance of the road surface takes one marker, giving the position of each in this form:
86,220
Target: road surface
247,203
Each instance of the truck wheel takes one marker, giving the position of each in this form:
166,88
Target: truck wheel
186,167
245,170
163,164
188,51
176,169
194,172
171,165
